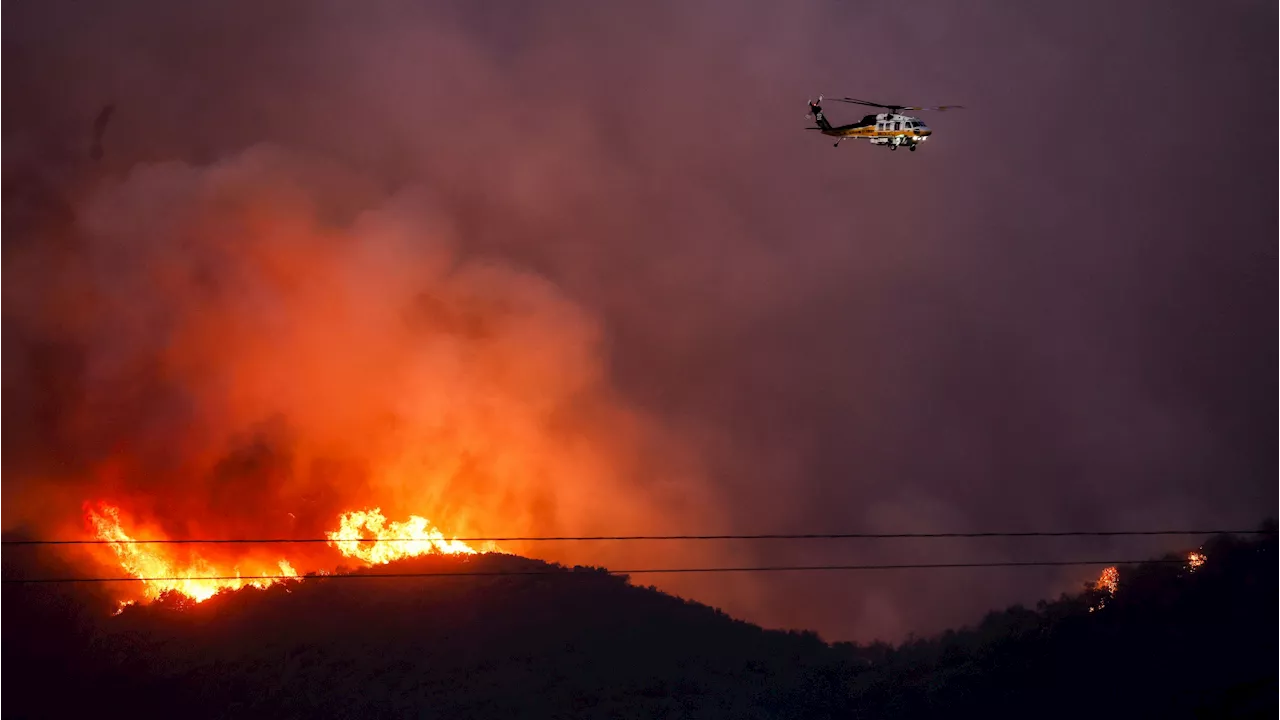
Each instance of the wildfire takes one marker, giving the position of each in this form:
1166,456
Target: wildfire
395,540
1109,580
1195,560
363,534
197,578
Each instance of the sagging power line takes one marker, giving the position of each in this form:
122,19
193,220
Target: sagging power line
651,538
581,572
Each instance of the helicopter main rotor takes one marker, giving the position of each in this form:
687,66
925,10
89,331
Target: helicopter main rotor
896,109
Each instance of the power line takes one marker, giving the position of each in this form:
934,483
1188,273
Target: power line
651,538
578,573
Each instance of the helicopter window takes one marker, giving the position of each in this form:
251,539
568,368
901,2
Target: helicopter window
897,126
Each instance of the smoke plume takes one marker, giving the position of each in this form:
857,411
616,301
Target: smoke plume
259,345
577,268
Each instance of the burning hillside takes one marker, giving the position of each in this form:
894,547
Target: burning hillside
161,572
1108,581
364,535
267,347
575,642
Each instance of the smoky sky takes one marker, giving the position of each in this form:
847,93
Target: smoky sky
1049,318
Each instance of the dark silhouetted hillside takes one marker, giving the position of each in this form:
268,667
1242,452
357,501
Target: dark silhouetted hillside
583,643
1170,644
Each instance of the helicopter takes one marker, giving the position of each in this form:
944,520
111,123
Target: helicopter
891,129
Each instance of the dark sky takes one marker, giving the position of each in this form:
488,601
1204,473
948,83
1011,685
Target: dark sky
1049,318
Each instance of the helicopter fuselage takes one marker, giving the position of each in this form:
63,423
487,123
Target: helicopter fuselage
883,129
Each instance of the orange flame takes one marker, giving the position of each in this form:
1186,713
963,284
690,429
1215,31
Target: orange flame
396,540
197,579
1195,560
1109,580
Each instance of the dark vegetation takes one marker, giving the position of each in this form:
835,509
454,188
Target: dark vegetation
582,643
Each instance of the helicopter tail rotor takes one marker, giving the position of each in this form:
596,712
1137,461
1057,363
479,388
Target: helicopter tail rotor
815,114
814,105
815,109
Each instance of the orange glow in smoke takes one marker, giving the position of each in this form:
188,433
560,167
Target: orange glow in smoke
310,359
